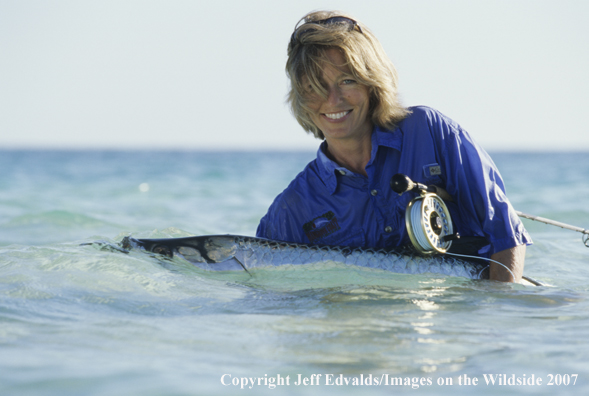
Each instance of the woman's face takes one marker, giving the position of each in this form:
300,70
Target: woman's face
343,115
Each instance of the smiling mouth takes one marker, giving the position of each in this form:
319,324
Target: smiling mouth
337,116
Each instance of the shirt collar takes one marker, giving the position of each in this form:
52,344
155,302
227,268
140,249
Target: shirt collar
329,170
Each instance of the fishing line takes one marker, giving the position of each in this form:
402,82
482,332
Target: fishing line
527,278
483,258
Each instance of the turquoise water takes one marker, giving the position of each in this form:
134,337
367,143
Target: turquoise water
77,320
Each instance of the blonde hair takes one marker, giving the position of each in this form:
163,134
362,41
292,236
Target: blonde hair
362,53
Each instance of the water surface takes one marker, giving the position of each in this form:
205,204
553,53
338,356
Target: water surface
78,320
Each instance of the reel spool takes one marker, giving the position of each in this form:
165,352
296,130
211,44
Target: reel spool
427,218
429,224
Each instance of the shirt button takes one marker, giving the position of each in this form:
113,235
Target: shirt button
342,172
374,192
388,229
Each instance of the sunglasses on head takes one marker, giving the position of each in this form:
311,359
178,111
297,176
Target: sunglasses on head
300,30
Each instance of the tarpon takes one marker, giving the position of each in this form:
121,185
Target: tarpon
239,253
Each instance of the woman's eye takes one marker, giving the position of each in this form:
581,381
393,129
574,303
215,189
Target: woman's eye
348,81
309,91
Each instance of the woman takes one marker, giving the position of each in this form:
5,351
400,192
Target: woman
344,91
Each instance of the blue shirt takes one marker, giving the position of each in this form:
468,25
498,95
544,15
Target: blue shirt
328,204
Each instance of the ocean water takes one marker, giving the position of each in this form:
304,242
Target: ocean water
78,320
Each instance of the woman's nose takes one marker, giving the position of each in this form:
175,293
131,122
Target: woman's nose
334,95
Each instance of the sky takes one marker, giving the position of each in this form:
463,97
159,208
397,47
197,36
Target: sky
209,75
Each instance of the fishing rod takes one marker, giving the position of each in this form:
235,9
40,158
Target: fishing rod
428,219
583,231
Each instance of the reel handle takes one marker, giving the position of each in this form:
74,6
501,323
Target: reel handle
401,183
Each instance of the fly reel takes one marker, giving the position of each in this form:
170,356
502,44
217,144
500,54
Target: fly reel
427,218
